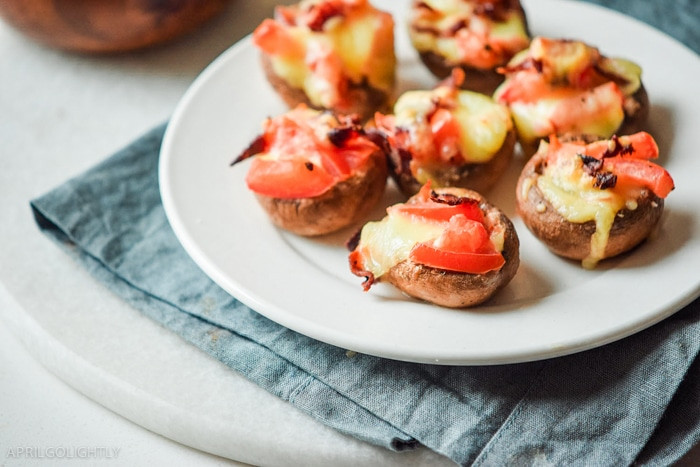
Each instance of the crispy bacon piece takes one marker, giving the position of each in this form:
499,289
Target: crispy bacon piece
256,147
356,268
617,148
591,165
605,180
349,127
450,199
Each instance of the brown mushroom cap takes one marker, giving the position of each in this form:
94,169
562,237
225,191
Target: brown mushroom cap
456,289
346,202
573,240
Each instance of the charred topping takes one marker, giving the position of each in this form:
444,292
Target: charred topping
338,136
591,165
403,164
604,180
380,139
349,127
398,158
451,199
256,147
617,148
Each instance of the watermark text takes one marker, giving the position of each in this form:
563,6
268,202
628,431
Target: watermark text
62,452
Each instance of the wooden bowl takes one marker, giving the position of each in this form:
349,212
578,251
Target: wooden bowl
107,26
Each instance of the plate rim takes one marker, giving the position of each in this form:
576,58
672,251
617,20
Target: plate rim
339,339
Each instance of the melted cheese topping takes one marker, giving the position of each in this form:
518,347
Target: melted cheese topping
484,124
630,71
432,32
571,192
350,45
597,115
570,92
384,244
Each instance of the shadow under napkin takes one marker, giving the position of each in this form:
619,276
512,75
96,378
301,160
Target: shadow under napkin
602,407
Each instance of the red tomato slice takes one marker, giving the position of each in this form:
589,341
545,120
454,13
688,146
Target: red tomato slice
423,206
272,38
642,146
641,173
466,262
464,235
285,132
355,151
587,106
441,212
445,130
524,86
288,179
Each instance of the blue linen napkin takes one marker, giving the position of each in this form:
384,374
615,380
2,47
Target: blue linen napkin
633,401
636,399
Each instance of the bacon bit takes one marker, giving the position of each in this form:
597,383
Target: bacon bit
338,136
605,180
355,260
379,139
399,158
591,165
450,199
256,147
405,158
617,148
350,126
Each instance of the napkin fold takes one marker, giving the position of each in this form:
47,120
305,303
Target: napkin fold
635,400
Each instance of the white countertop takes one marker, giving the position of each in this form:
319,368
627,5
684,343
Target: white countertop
81,372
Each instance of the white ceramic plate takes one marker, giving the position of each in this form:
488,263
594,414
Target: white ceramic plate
551,308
